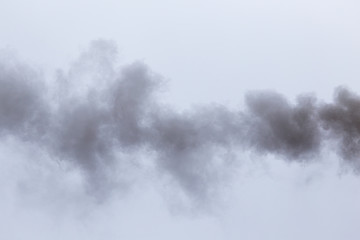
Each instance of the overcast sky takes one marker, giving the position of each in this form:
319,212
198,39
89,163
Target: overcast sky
195,63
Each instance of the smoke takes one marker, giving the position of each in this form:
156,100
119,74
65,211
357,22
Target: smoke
22,104
274,125
341,119
97,114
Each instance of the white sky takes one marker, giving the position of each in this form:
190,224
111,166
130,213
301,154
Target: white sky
210,51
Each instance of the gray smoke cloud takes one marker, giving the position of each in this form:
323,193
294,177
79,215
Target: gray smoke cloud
96,111
276,126
341,119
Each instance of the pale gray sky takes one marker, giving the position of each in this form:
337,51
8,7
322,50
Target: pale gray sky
208,52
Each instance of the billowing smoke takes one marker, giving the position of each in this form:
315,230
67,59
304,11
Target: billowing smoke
341,120
97,111
276,126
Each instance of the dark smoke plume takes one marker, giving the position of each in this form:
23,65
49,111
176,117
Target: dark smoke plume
274,125
96,111
341,119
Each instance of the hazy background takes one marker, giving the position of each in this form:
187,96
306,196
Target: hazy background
208,51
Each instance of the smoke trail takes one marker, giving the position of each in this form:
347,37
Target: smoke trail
96,110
